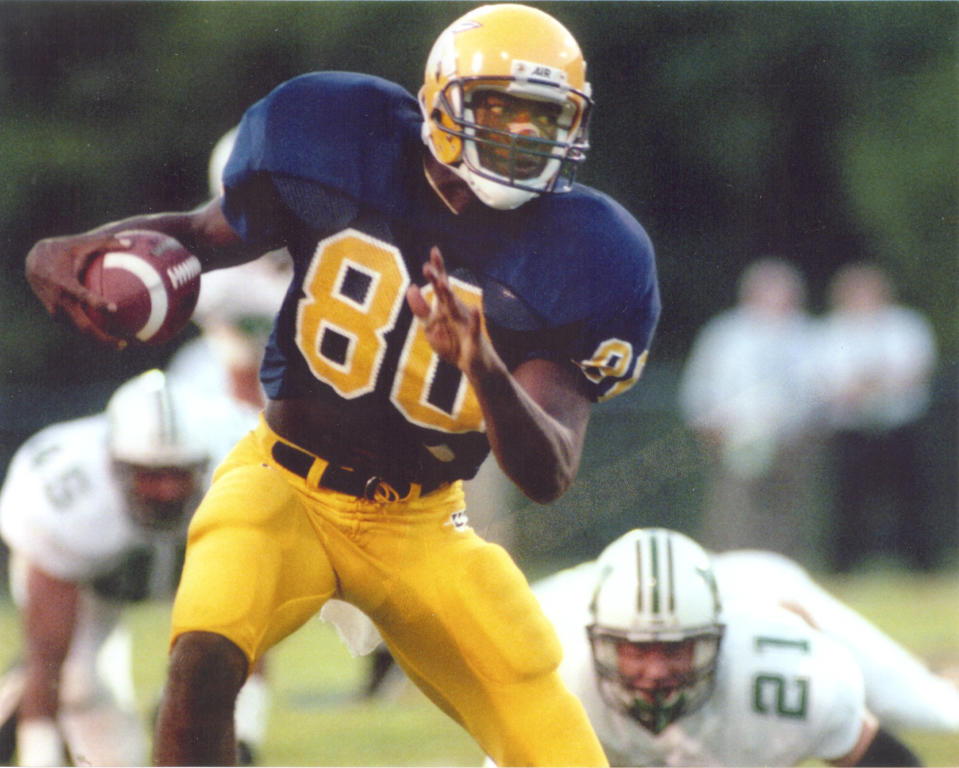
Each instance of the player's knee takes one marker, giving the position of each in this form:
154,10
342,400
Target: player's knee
504,635
543,724
206,670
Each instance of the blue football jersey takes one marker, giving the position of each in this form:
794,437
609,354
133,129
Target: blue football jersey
330,165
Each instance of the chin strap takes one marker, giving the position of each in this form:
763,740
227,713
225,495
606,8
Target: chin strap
657,716
498,195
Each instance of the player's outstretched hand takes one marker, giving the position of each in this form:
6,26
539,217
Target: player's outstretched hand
453,329
54,268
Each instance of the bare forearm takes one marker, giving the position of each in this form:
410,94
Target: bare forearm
204,232
537,451
41,691
49,617
535,415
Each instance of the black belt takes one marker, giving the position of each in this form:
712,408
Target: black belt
348,480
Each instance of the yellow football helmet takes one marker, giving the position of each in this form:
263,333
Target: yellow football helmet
531,61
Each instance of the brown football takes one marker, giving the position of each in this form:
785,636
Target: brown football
155,283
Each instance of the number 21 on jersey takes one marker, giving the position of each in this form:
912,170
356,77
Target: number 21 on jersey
787,696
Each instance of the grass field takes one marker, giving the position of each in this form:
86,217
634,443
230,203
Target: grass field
317,718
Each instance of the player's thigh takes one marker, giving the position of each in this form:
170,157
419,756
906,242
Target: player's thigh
484,652
470,613
255,568
495,619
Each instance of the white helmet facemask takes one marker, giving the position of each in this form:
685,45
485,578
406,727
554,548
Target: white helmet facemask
156,427
655,588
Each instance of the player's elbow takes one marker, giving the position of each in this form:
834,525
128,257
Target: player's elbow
544,465
545,487
878,747
544,495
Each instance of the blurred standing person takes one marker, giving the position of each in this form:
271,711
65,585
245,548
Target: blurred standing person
878,359
746,391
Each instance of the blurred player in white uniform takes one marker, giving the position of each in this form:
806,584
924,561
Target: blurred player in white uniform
235,313
684,659
94,512
901,691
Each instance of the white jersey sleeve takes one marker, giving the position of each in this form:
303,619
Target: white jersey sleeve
901,691
60,506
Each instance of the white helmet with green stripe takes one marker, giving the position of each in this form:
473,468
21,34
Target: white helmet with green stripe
159,442
655,628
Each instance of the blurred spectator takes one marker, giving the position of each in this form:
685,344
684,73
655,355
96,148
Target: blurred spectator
877,363
747,392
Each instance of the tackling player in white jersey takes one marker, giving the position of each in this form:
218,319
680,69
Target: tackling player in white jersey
901,691
94,511
684,659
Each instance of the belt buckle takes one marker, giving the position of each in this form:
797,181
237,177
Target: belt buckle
387,491
370,487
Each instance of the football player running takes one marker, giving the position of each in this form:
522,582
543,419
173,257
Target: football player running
94,512
453,292
675,667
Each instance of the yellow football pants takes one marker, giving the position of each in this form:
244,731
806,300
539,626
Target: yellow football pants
267,549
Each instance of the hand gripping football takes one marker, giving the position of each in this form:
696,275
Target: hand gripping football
155,283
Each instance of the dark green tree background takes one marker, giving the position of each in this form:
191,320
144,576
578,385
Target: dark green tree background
825,132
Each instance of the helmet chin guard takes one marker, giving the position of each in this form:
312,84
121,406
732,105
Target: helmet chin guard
492,191
665,708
